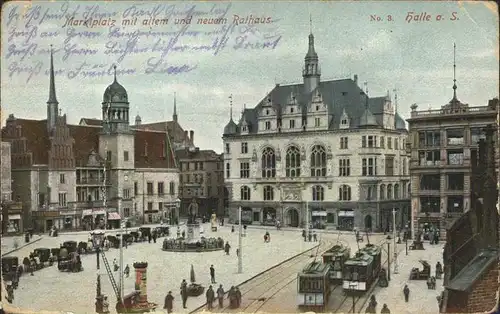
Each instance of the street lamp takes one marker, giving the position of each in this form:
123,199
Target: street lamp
177,208
388,258
97,241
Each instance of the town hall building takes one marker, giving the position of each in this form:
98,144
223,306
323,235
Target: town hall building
322,149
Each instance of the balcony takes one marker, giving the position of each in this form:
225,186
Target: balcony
92,181
440,112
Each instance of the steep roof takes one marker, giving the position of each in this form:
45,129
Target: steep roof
157,153
338,95
173,127
90,122
197,154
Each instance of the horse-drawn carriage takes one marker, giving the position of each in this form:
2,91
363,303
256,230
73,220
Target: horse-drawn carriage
145,232
424,274
162,231
70,262
44,256
9,263
70,246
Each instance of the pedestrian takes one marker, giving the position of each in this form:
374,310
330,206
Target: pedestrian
126,271
304,235
237,252
220,296
406,292
184,293
210,297
227,247
212,274
154,236
222,221
315,236
238,296
115,265
309,237
439,270
385,310
232,228
149,237
183,234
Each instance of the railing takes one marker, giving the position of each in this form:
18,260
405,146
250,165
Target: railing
450,111
87,181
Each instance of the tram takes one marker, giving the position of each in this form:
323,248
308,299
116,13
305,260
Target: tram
336,257
362,270
313,290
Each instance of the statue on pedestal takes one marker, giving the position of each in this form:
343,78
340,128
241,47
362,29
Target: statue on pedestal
192,212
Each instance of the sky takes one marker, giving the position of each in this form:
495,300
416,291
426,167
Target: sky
203,64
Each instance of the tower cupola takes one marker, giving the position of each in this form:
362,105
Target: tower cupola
115,108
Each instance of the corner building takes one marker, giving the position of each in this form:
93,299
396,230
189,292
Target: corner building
319,148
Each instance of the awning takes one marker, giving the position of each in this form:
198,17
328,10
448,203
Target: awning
91,212
87,212
114,216
319,213
15,217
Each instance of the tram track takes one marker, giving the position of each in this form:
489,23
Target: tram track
259,294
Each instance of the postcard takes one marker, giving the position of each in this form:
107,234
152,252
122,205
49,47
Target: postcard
244,156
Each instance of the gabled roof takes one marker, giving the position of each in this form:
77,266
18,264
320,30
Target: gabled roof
90,122
153,150
338,95
36,135
86,141
173,127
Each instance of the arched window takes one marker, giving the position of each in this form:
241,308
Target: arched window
344,193
245,193
292,164
268,193
404,166
382,191
268,163
389,191
396,191
318,193
318,161
172,188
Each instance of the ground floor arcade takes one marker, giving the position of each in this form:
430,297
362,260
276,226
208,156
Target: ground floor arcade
374,216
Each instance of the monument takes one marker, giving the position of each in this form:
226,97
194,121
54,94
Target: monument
193,226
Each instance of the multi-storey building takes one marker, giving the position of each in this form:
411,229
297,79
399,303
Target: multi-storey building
201,179
442,142
319,147
72,176
11,211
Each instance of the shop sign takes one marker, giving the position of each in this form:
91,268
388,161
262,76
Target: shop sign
45,213
67,213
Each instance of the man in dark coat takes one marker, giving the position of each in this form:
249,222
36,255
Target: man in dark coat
220,296
210,297
226,248
169,302
154,236
238,296
149,237
184,293
406,292
304,235
212,274
385,310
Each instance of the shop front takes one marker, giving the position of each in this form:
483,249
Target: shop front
44,220
94,218
269,216
69,220
319,218
345,219
113,220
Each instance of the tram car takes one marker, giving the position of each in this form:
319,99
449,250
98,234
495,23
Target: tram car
313,286
362,270
336,257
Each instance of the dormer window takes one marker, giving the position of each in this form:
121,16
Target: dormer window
317,108
244,128
267,112
291,110
268,125
344,121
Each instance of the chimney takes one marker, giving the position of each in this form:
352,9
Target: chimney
191,136
185,135
356,79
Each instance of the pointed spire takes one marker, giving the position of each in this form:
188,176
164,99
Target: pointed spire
311,52
114,67
454,74
174,116
310,24
231,106
52,86
395,100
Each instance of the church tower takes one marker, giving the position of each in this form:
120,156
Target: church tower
311,72
174,116
52,103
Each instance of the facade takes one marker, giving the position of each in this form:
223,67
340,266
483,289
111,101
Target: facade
11,211
202,181
319,151
88,175
442,142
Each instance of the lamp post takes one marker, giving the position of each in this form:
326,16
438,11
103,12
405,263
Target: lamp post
97,241
394,238
177,209
240,244
388,258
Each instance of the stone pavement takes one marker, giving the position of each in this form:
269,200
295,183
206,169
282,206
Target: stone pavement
60,291
422,300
